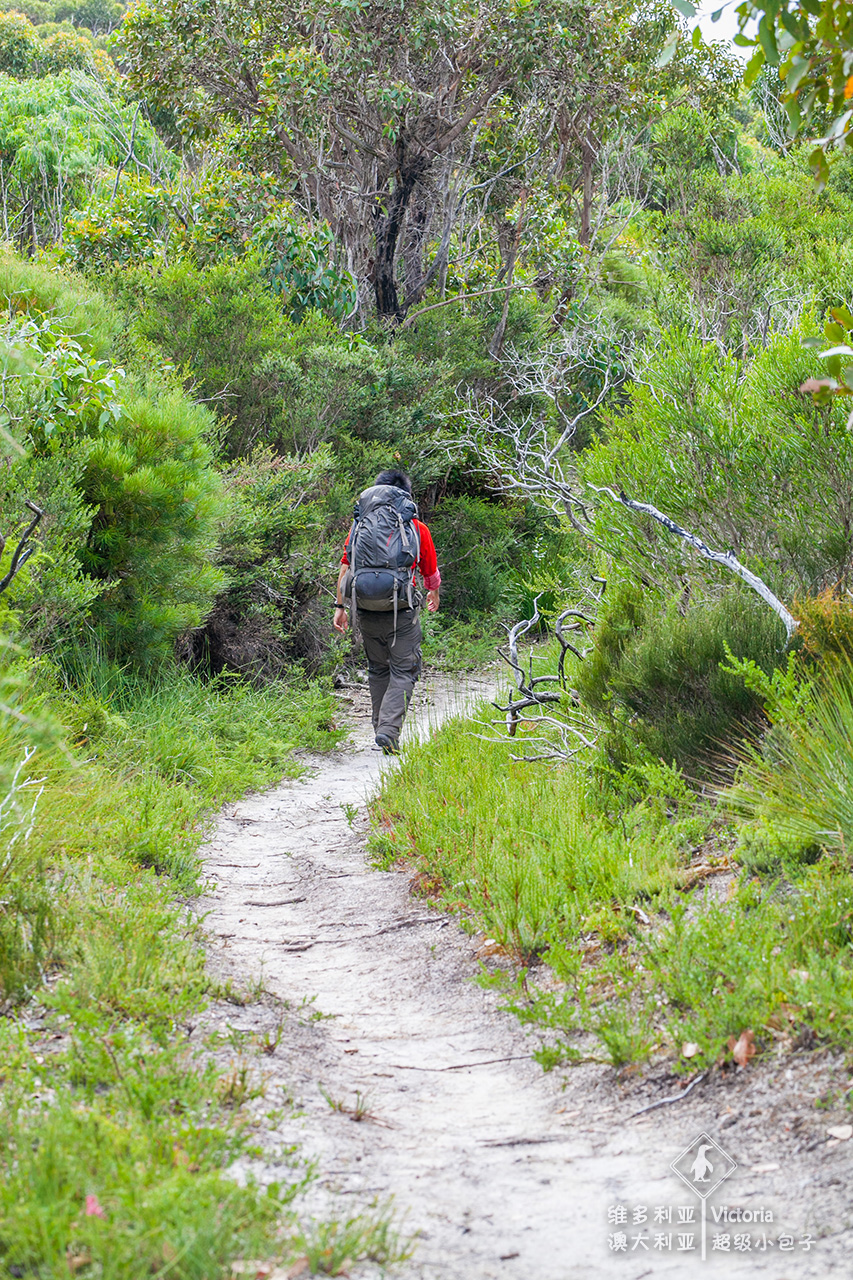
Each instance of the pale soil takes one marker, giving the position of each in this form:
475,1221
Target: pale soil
501,1170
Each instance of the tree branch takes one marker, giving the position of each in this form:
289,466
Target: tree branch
22,551
727,559
473,110
460,297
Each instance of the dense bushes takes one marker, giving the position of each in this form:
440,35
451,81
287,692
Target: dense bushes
739,455
124,471
657,671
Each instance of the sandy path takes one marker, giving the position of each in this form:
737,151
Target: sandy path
502,1170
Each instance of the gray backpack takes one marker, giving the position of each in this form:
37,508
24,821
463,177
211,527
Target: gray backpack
384,546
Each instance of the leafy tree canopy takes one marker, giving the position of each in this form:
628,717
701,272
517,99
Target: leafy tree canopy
811,44
374,108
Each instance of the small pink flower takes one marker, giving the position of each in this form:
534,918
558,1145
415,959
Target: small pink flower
94,1208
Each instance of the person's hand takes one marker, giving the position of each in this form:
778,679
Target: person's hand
432,601
340,621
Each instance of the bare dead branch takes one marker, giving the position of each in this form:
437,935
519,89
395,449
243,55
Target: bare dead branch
23,551
727,559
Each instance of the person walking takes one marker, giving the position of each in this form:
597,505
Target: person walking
385,546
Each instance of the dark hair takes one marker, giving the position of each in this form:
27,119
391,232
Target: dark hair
398,478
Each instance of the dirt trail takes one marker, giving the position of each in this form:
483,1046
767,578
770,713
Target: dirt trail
502,1170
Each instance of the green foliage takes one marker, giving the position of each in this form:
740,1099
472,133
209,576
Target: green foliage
116,1132
20,48
304,266
838,357
158,502
156,758
364,92
826,625
28,51
145,500
540,873
275,552
289,385
57,134
697,439
484,550
745,250
657,672
222,326
810,42
78,310
800,780
223,212
777,959
588,870
331,1246
155,1211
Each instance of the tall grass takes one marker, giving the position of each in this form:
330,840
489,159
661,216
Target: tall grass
802,781
528,851
114,1134
585,869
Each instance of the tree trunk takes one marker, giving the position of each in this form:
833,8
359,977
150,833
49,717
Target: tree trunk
497,342
389,216
417,226
588,162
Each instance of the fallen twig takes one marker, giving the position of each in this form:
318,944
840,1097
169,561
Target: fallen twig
675,1097
282,902
525,1142
461,1066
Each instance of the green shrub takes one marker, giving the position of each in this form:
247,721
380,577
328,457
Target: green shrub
527,850
800,781
217,324
826,625
657,673
125,472
484,549
76,308
698,436
58,134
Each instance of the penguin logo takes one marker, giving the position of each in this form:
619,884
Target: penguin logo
702,1166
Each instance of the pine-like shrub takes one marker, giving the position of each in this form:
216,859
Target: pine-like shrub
123,470
826,624
658,675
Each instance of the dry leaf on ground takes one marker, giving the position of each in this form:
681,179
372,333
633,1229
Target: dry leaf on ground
742,1048
843,1132
301,1267
491,947
689,1049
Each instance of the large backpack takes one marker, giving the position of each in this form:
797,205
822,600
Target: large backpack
384,546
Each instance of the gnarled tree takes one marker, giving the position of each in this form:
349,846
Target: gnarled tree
374,109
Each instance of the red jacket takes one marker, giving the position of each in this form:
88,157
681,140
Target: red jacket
428,562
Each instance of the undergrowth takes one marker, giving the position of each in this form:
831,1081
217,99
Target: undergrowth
115,1132
668,929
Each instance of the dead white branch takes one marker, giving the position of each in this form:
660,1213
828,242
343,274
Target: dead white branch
530,704
727,559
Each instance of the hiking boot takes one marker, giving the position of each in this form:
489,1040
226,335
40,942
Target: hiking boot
388,745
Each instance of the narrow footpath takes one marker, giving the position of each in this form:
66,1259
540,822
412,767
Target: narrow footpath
398,1075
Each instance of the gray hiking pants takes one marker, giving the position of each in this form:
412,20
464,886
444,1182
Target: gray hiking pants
393,665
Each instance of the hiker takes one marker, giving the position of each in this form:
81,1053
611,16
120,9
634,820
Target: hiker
384,547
